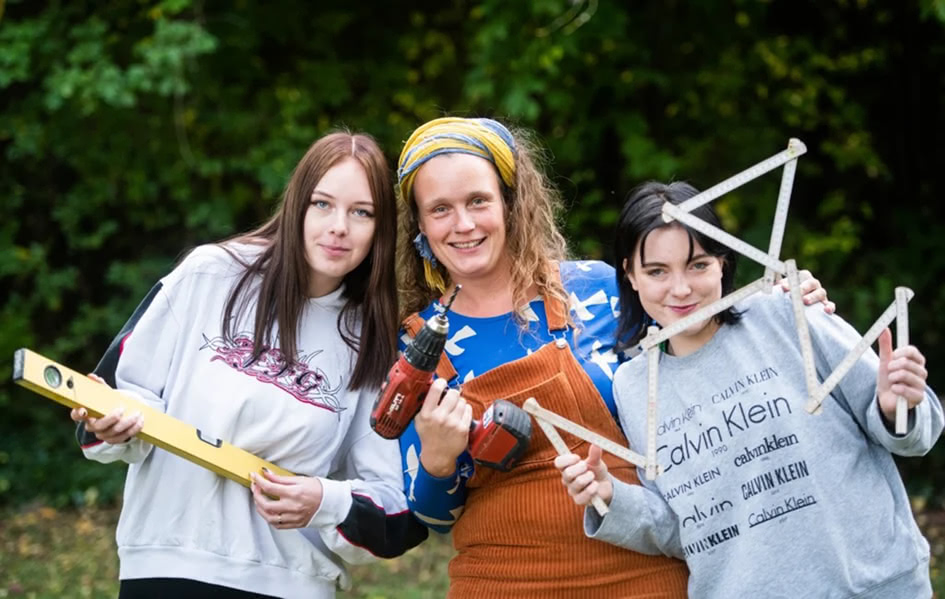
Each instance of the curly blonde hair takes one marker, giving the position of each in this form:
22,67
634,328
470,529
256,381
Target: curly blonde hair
534,243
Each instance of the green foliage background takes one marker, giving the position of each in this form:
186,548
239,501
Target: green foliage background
132,130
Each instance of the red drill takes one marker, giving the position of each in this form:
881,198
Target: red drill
410,377
497,441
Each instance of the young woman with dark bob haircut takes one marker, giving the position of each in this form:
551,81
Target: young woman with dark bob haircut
276,341
476,210
761,498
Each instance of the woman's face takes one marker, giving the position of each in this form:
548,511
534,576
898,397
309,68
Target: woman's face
338,226
461,211
672,285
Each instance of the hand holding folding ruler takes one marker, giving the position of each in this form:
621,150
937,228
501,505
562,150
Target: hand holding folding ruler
75,390
549,421
774,267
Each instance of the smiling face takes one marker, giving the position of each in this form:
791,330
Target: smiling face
338,226
672,284
461,211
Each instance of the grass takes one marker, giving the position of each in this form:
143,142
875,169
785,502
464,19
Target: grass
47,553
50,554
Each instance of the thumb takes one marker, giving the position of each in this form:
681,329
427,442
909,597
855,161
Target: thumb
885,355
885,348
885,345
278,478
434,395
594,459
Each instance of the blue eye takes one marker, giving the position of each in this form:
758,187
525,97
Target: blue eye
363,213
321,204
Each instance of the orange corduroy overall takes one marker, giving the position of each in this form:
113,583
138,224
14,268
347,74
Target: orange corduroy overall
520,534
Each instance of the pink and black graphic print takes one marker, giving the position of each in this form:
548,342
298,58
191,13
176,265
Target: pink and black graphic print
298,379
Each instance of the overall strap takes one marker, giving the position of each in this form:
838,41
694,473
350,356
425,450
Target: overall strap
556,311
444,368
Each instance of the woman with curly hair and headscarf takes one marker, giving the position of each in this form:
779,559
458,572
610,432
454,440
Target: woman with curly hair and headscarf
476,210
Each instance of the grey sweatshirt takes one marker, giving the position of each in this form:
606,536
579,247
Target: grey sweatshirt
761,498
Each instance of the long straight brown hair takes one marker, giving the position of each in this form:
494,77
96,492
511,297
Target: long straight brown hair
370,289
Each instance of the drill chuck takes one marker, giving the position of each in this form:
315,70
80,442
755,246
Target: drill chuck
424,352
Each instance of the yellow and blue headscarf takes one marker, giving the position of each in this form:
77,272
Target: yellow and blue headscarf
485,138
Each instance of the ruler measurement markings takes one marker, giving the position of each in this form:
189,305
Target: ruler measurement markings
854,354
727,239
803,332
795,148
780,217
902,340
532,406
652,387
702,314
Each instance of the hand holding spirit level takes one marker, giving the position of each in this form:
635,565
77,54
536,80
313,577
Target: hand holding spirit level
70,388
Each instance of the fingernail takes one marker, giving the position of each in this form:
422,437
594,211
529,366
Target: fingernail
266,470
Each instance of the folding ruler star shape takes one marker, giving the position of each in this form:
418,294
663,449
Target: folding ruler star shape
774,268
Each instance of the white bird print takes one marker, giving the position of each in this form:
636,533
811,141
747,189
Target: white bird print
528,313
580,307
456,486
413,465
455,512
603,360
451,344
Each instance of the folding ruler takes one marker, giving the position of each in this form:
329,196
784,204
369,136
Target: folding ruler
773,266
550,421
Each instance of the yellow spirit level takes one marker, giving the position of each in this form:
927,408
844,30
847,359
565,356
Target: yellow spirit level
75,390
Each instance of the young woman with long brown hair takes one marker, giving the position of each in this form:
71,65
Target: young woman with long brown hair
276,341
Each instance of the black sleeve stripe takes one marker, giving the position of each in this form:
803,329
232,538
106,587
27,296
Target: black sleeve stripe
384,535
109,363
84,438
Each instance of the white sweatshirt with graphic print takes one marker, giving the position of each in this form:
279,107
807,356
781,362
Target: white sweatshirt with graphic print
181,520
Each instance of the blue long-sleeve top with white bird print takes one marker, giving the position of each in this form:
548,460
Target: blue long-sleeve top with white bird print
476,345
